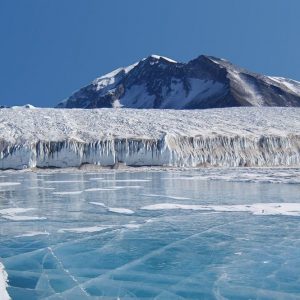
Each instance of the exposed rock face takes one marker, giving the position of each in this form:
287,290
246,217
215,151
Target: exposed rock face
205,82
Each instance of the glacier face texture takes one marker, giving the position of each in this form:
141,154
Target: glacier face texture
230,137
204,82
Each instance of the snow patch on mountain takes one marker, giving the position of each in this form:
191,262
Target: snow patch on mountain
176,97
137,97
162,57
292,85
110,79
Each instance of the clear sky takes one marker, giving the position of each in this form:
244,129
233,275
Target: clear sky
49,48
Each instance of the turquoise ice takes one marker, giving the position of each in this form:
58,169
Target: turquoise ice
208,234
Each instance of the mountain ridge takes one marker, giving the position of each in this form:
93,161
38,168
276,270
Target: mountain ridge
203,82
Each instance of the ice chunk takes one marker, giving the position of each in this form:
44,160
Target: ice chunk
64,181
120,210
290,209
166,196
99,189
2,184
68,193
23,218
14,210
98,203
13,214
3,284
86,229
33,233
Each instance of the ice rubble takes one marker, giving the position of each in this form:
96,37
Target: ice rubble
3,284
216,137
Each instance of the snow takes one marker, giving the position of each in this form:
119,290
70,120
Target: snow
137,97
85,229
105,83
33,233
252,95
4,184
24,106
109,80
120,210
98,203
230,137
13,214
288,209
176,98
3,284
14,210
292,85
117,210
163,57
67,193
166,196
99,189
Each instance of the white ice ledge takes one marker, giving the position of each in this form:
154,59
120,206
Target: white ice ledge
216,137
3,284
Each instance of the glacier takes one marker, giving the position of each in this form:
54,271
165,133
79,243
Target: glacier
231,137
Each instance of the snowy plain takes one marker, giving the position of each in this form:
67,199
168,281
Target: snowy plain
248,136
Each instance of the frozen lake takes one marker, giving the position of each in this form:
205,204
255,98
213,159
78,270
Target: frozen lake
208,234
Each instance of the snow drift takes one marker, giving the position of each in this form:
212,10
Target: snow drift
217,137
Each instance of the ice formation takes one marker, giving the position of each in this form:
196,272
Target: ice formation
287,209
3,284
209,233
109,137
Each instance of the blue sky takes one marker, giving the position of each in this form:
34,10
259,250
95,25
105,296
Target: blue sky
49,48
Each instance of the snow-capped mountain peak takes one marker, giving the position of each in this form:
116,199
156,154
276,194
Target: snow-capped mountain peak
204,82
159,57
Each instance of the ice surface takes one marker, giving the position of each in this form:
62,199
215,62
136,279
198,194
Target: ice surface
230,137
225,234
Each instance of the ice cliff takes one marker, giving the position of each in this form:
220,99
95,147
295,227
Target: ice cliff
229,137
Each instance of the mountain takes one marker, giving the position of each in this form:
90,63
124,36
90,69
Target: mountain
204,82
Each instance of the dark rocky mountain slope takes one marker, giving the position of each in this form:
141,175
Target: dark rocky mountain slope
204,82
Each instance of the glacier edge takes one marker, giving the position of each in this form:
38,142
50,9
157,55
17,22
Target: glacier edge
233,137
171,150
